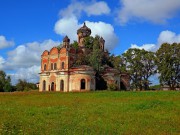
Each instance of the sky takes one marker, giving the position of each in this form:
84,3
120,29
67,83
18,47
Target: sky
28,27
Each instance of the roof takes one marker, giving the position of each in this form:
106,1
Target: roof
83,67
84,29
66,39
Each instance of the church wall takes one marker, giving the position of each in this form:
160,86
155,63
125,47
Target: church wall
42,78
58,82
75,82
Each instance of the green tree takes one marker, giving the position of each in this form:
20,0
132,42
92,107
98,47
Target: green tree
140,65
168,62
5,82
23,85
75,44
96,55
88,42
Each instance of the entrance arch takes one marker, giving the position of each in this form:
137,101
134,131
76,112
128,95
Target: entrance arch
44,85
123,87
52,86
83,84
62,85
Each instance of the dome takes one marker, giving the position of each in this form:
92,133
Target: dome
66,39
85,30
102,39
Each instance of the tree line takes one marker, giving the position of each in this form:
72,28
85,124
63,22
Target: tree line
22,85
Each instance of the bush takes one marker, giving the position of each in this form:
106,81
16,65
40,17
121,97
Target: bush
23,85
112,87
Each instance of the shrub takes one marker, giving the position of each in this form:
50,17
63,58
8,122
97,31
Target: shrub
112,87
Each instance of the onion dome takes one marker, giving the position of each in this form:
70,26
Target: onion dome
84,30
102,39
66,39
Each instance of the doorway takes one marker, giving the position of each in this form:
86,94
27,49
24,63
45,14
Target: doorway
44,85
83,84
62,85
52,86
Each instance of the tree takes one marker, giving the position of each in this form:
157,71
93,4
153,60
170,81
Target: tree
140,65
5,82
75,44
96,55
168,62
88,42
118,63
23,85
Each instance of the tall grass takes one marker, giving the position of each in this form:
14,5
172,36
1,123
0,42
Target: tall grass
90,113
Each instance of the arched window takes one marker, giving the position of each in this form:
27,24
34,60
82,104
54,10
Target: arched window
51,66
44,85
44,67
83,84
55,66
62,85
62,65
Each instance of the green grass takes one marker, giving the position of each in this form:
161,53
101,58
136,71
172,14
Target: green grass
90,113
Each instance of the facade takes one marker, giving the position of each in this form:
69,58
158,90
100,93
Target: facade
58,73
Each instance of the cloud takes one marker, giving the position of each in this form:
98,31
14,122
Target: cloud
148,47
30,74
168,37
164,37
29,54
156,11
68,24
2,61
90,8
4,43
24,61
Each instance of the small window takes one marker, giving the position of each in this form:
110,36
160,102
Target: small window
44,67
51,66
55,66
62,65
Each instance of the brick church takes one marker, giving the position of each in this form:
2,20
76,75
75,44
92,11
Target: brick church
59,74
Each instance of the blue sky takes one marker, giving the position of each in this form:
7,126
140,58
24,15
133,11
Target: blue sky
27,28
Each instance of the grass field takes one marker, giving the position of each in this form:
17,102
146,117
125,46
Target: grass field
90,113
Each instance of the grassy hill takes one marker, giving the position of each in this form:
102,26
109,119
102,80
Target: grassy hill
90,113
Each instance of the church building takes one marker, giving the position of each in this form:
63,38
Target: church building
59,74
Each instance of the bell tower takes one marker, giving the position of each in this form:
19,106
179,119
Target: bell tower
66,42
83,32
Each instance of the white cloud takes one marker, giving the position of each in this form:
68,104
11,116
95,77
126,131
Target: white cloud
148,47
29,74
29,54
90,8
24,61
2,61
4,43
168,37
106,31
156,11
68,24
97,8
164,37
